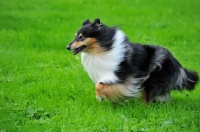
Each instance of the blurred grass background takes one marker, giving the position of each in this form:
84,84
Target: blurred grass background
43,87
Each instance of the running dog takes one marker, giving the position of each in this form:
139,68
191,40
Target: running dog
122,70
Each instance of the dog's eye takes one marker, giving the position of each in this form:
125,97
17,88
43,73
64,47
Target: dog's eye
81,38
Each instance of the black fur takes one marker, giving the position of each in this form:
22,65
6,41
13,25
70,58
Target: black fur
164,72
99,31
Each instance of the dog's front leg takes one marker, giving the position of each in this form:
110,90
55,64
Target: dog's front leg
100,95
111,91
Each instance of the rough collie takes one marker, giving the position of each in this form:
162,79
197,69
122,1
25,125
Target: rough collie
122,70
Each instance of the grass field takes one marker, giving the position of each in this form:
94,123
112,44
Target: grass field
43,87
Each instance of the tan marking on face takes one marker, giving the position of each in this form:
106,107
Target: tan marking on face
93,46
80,34
91,43
75,45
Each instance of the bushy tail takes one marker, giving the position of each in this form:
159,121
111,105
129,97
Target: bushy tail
190,80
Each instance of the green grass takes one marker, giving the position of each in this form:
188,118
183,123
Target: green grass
43,87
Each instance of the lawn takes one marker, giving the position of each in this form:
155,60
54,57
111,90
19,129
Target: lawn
44,88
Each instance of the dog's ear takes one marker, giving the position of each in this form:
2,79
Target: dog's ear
96,23
86,22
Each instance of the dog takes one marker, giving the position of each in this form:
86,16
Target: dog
122,70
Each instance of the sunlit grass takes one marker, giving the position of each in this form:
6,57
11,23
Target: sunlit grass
43,87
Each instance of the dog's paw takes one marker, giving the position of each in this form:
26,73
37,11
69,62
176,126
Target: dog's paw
101,98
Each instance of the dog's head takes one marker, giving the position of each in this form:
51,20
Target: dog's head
86,39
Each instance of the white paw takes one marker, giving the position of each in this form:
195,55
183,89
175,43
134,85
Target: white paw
100,99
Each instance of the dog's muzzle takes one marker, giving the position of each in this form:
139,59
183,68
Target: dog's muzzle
75,50
69,46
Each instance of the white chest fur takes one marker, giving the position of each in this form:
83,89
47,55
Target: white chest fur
101,67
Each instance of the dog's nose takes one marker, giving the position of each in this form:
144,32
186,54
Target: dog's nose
68,47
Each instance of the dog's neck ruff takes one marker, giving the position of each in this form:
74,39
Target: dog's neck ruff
101,67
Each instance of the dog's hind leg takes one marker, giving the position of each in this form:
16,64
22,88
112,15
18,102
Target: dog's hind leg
165,97
158,95
145,97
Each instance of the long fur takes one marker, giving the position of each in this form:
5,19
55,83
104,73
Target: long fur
122,70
